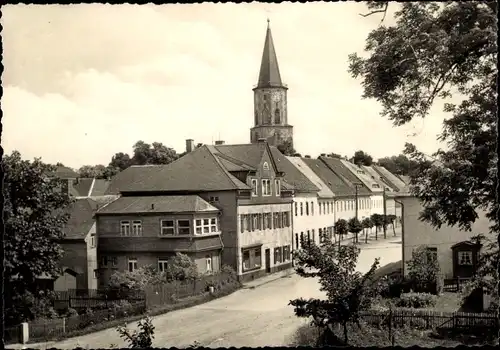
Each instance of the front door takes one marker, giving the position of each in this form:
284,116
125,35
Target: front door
268,261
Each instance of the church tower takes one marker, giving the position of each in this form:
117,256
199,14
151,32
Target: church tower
270,100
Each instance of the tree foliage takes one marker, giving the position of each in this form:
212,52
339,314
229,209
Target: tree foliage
155,153
286,148
348,291
34,218
423,267
438,51
341,227
362,158
355,227
139,339
121,161
98,171
367,224
399,165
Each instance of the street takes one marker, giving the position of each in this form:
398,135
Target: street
251,317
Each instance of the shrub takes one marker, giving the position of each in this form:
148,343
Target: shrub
71,312
423,270
227,276
416,300
141,339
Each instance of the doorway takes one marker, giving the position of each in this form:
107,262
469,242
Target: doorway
268,261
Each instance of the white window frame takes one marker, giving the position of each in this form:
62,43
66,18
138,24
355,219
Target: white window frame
96,274
277,185
205,225
255,185
136,228
164,227
92,240
266,187
462,254
132,264
162,264
208,264
179,227
214,199
125,228
265,166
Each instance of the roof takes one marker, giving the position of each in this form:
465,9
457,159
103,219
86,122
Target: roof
363,176
249,154
293,176
269,75
390,177
64,172
323,189
332,180
81,187
198,170
404,178
157,204
81,218
336,165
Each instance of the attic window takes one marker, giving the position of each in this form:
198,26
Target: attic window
375,186
265,166
360,171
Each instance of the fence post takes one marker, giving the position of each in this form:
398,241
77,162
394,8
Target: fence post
25,333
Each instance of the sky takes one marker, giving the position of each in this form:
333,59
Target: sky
83,82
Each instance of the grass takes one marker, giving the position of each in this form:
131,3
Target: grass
446,302
157,310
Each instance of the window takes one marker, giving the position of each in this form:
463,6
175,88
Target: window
92,240
261,221
125,228
312,208
254,187
132,264
465,258
301,209
96,273
375,186
214,199
320,231
313,236
360,171
319,205
268,221
308,236
183,227
255,222
137,228
307,208
114,261
277,185
301,238
167,227
206,225
286,253
296,241
242,223
265,166
208,262
104,261
296,206
286,219
266,187
277,256
251,258
162,264
276,220
277,116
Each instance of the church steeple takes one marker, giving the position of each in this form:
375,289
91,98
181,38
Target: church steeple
270,100
269,75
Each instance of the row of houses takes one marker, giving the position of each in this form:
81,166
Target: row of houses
245,205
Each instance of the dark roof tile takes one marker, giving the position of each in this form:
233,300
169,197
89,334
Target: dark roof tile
293,175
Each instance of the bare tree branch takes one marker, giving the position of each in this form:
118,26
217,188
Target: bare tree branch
384,11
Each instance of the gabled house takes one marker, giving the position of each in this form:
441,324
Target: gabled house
243,182
456,253
317,214
368,202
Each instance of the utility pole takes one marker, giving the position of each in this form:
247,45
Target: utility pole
385,209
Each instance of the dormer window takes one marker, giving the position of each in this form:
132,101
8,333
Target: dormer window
375,186
277,185
360,171
266,187
265,166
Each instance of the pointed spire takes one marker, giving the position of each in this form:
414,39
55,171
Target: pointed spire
269,75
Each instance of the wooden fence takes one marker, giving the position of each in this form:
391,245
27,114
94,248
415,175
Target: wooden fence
429,319
454,285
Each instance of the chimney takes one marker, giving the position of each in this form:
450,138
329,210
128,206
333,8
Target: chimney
262,140
189,145
323,154
152,206
307,156
220,142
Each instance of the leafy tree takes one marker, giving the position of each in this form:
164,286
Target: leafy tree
156,153
391,218
355,227
334,155
341,228
97,171
436,51
121,161
367,225
378,222
142,339
286,148
180,267
423,268
34,218
362,158
348,291
399,165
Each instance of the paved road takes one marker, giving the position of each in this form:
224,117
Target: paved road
249,317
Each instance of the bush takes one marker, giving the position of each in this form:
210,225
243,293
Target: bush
141,339
227,276
71,312
416,300
423,270
306,335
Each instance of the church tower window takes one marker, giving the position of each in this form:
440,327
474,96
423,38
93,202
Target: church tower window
277,116
256,118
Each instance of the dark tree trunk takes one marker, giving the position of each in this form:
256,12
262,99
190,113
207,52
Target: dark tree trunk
393,229
366,236
345,333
